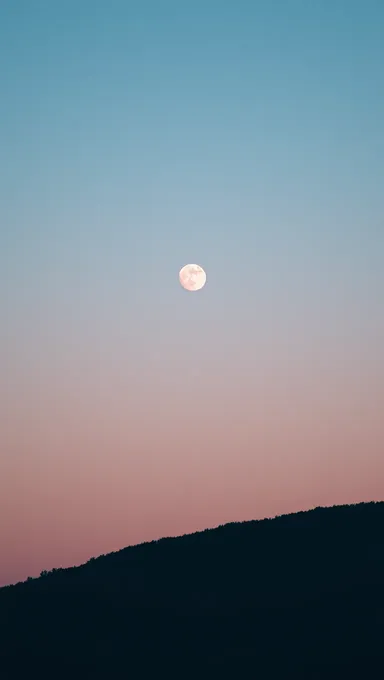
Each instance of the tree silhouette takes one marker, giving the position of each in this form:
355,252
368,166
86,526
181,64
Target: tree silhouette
299,596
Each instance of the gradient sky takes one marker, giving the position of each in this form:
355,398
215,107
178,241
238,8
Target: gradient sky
137,136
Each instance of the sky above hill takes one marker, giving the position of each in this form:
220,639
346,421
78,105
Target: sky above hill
138,136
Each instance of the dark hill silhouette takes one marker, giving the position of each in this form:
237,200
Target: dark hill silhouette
298,596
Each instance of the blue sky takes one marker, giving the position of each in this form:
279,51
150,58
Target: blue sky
137,136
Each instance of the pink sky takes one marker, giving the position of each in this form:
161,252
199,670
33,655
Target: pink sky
115,456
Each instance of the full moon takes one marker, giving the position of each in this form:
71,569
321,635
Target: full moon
192,277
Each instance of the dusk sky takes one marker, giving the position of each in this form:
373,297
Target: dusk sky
137,136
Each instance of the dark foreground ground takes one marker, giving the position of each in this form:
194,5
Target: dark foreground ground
300,596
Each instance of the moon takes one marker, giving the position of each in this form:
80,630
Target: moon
192,277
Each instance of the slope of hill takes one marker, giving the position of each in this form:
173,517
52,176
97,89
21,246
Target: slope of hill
298,596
